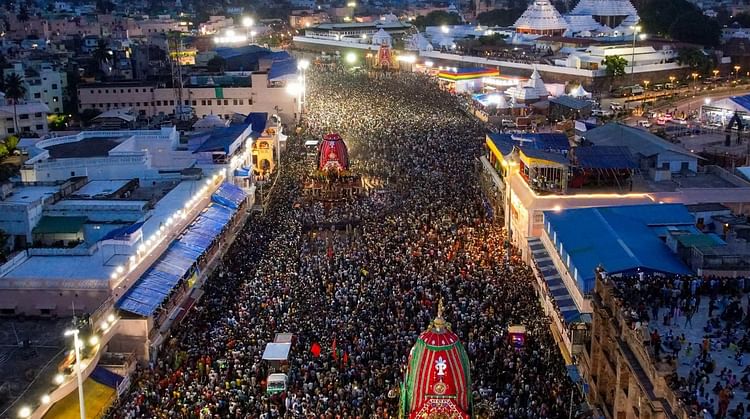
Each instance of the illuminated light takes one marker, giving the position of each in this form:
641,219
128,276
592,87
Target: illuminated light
445,29
407,58
104,325
141,248
24,412
208,181
114,275
557,208
120,269
429,63
132,259
707,100
149,242
247,21
94,340
59,379
230,33
45,399
351,58
111,318
293,88
303,64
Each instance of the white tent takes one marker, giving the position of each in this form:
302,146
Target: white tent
276,351
579,92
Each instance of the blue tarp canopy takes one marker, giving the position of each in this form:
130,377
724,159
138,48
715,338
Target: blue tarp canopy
229,195
620,238
122,233
242,172
604,157
151,289
556,286
104,376
282,70
221,139
743,101
257,120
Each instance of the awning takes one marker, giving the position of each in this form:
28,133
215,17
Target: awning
242,172
229,195
553,280
276,351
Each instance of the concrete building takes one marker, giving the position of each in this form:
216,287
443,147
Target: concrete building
30,116
207,95
43,82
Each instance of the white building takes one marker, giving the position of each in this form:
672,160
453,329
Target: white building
43,84
541,18
31,117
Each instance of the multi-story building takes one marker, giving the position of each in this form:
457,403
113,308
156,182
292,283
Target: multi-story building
207,95
215,24
44,83
31,117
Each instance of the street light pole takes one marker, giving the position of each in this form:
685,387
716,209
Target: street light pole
635,29
77,349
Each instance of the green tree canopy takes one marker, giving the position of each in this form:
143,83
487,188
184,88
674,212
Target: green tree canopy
680,20
216,64
500,17
437,18
696,59
615,65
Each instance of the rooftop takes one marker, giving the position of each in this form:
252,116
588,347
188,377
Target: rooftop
100,188
88,147
28,194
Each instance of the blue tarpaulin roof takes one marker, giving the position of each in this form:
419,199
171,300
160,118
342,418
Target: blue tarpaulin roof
556,286
104,376
604,157
151,289
618,238
229,195
122,233
540,141
743,101
282,69
221,139
257,120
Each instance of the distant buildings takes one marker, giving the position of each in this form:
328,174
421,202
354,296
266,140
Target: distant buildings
44,83
31,117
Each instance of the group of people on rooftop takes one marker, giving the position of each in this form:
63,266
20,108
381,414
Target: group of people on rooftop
699,327
357,298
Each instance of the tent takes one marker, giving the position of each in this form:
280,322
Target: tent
579,92
276,351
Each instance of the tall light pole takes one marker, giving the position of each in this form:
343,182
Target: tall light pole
737,72
248,23
302,66
635,29
77,348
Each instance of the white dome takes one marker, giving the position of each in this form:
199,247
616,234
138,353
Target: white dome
540,16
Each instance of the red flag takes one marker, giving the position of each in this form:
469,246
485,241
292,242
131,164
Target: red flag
315,349
346,358
333,349
330,252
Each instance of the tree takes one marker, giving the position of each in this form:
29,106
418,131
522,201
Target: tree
615,66
102,54
696,59
15,89
11,143
500,17
23,14
437,18
3,150
680,20
216,64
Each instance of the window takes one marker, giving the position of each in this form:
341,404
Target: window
38,114
210,102
226,102
39,127
11,130
37,95
234,102
242,102
203,102
54,98
23,116
158,103
171,102
195,103
538,217
122,90
137,103
98,91
187,102
92,91
129,90
106,90
54,85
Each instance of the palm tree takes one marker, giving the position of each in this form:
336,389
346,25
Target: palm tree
102,54
15,89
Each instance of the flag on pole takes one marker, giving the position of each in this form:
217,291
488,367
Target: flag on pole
315,349
333,350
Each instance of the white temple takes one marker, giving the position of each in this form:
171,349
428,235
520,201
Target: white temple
590,18
541,18
531,91
382,37
610,13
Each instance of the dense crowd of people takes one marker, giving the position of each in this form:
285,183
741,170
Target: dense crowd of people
699,327
357,298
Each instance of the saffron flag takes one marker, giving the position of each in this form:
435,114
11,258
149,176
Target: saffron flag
333,350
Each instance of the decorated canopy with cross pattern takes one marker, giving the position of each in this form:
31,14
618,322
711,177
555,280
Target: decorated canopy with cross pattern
437,384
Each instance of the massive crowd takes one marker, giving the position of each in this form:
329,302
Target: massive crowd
362,294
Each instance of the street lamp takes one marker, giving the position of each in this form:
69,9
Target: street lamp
351,58
302,66
635,29
295,89
77,349
695,77
737,72
716,73
248,23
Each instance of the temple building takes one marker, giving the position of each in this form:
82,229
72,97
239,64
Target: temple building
611,13
541,18
437,383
